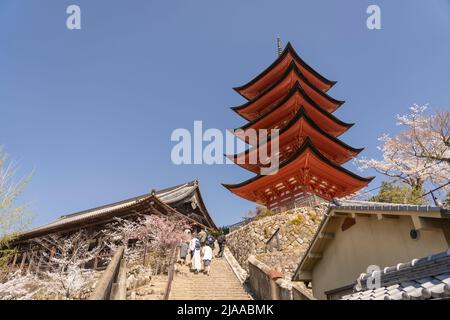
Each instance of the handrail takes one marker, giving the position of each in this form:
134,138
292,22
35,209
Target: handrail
104,285
119,291
173,260
270,239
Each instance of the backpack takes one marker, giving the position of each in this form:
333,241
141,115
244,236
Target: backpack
210,240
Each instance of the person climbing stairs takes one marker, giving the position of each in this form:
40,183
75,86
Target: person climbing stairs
221,284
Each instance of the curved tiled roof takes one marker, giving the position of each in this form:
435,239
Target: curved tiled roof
170,197
292,69
288,49
307,145
419,279
301,114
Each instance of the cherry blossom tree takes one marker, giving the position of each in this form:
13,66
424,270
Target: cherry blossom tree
61,272
426,137
121,232
66,256
165,232
18,286
154,234
418,156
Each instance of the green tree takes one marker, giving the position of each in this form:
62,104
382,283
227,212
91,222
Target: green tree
14,218
398,193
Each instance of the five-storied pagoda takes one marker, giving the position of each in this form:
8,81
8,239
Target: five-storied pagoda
291,96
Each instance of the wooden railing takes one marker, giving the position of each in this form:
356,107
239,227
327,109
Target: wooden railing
171,273
112,283
277,239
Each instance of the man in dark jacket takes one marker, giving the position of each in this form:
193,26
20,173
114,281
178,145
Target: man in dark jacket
221,240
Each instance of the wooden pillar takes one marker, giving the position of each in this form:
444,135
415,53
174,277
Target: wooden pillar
10,267
144,260
52,253
99,243
50,257
39,262
30,264
24,257
14,260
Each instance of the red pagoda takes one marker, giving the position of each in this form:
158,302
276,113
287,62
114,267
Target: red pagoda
291,96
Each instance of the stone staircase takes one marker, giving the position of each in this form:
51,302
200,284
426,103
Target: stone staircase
221,284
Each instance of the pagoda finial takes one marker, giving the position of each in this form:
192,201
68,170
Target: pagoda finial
279,46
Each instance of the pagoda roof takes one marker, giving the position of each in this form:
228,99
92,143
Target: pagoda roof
276,92
296,98
260,82
298,128
308,168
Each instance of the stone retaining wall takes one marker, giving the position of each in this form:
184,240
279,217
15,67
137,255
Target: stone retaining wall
269,284
297,227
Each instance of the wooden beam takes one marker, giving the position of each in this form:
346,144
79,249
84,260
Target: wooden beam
30,263
304,276
39,263
24,257
324,235
390,216
364,215
14,260
340,214
421,223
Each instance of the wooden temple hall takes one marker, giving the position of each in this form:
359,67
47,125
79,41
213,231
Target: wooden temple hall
181,202
292,97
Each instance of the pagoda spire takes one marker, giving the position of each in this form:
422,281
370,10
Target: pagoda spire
291,96
279,46
277,68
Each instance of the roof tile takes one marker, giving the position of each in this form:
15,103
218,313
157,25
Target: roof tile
424,278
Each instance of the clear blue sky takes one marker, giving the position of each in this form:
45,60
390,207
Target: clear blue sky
92,111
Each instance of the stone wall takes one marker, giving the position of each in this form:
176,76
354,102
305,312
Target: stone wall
268,284
297,228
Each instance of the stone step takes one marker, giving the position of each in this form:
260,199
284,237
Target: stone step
193,290
208,286
208,280
205,288
225,290
202,297
221,284
209,297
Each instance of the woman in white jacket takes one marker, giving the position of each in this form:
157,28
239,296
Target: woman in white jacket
207,255
196,261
